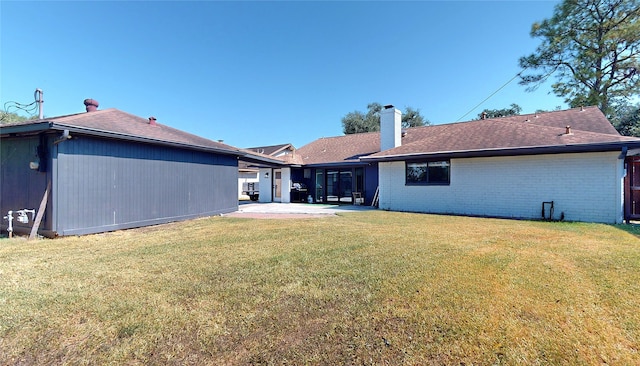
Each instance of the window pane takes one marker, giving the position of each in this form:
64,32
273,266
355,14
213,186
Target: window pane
416,172
333,186
432,172
346,186
359,180
438,172
319,185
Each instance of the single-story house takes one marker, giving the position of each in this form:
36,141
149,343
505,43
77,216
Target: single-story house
106,169
571,165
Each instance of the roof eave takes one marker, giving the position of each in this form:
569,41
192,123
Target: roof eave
264,160
535,150
337,164
25,128
126,137
282,148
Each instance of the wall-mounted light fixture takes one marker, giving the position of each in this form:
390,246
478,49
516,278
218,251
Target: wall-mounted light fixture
266,174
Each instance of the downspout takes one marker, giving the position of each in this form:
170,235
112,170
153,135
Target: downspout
623,153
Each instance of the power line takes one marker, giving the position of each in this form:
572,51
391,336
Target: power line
11,107
492,94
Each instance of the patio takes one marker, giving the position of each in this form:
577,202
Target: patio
292,210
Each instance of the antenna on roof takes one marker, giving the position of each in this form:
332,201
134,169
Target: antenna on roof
38,97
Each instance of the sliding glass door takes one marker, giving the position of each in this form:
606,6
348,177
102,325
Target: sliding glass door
339,185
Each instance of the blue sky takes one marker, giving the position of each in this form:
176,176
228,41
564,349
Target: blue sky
264,73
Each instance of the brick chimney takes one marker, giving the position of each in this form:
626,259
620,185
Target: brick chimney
390,128
91,105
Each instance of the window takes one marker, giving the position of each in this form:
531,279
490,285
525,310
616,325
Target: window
427,172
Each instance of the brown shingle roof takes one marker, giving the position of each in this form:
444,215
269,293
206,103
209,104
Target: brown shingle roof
588,126
113,123
340,149
127,125
585,119
494,135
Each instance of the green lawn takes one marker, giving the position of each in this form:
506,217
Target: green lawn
364,288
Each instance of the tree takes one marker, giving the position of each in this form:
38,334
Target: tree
593,47
557,108
513,110
627,120
412,118
359,122
9,117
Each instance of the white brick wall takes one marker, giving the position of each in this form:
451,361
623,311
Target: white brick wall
586,187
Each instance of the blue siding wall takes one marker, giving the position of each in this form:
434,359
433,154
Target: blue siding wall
370,182
20,186
104,185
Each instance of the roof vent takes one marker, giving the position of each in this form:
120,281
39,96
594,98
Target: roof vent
152,121
568,130
91,105
484,115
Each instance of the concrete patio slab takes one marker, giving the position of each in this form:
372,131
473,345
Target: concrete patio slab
292,210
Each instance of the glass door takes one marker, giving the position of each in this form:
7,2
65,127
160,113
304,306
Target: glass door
319,185
277,186
339,186
633,189
333,186
346,186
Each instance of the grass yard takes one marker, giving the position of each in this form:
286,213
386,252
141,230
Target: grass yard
365,288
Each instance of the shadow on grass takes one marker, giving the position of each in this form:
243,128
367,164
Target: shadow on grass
633,228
